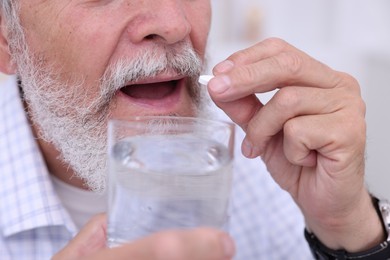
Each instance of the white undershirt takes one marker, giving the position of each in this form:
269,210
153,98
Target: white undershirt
81,204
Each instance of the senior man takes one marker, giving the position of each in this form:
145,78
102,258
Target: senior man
79,63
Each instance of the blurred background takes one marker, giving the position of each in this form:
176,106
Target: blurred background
349,35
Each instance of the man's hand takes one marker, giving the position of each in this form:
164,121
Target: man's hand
201,243
311,135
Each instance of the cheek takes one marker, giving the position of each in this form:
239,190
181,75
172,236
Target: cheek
200,19
85,50
76,45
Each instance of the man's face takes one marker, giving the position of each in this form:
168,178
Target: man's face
81,38
97,59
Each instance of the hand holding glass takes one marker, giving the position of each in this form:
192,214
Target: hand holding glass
167,173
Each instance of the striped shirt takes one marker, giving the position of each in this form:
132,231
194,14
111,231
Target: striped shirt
265,223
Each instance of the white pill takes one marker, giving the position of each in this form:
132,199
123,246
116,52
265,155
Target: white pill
204,79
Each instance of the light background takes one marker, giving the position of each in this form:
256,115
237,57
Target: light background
348,35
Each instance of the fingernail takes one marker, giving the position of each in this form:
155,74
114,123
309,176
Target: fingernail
224,66
228,246
247,148
220,84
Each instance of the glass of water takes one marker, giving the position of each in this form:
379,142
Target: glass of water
167,173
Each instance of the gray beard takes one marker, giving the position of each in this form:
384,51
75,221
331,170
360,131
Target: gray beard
74,118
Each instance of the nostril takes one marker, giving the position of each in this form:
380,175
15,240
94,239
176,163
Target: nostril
151,36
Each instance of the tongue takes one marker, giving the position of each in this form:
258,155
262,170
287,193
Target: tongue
150,91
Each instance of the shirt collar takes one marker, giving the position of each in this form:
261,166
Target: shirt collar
27,197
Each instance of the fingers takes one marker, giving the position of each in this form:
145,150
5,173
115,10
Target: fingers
306,87
202,243
283,69
89,240
261,50
326,134
294,102
267,66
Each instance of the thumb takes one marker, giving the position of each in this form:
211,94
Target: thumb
89,240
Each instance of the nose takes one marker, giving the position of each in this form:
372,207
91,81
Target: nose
162,20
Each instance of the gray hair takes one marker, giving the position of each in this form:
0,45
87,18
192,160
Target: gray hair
10,13
8,8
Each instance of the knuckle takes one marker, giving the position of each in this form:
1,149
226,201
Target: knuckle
349,81
271,44
286,99
292,130
362,106
349,123
246,74
356,125
351,97
358,105
290,62
242,56
275,43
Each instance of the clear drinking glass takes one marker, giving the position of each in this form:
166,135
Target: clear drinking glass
167,172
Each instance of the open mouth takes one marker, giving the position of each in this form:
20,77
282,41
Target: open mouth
158,90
